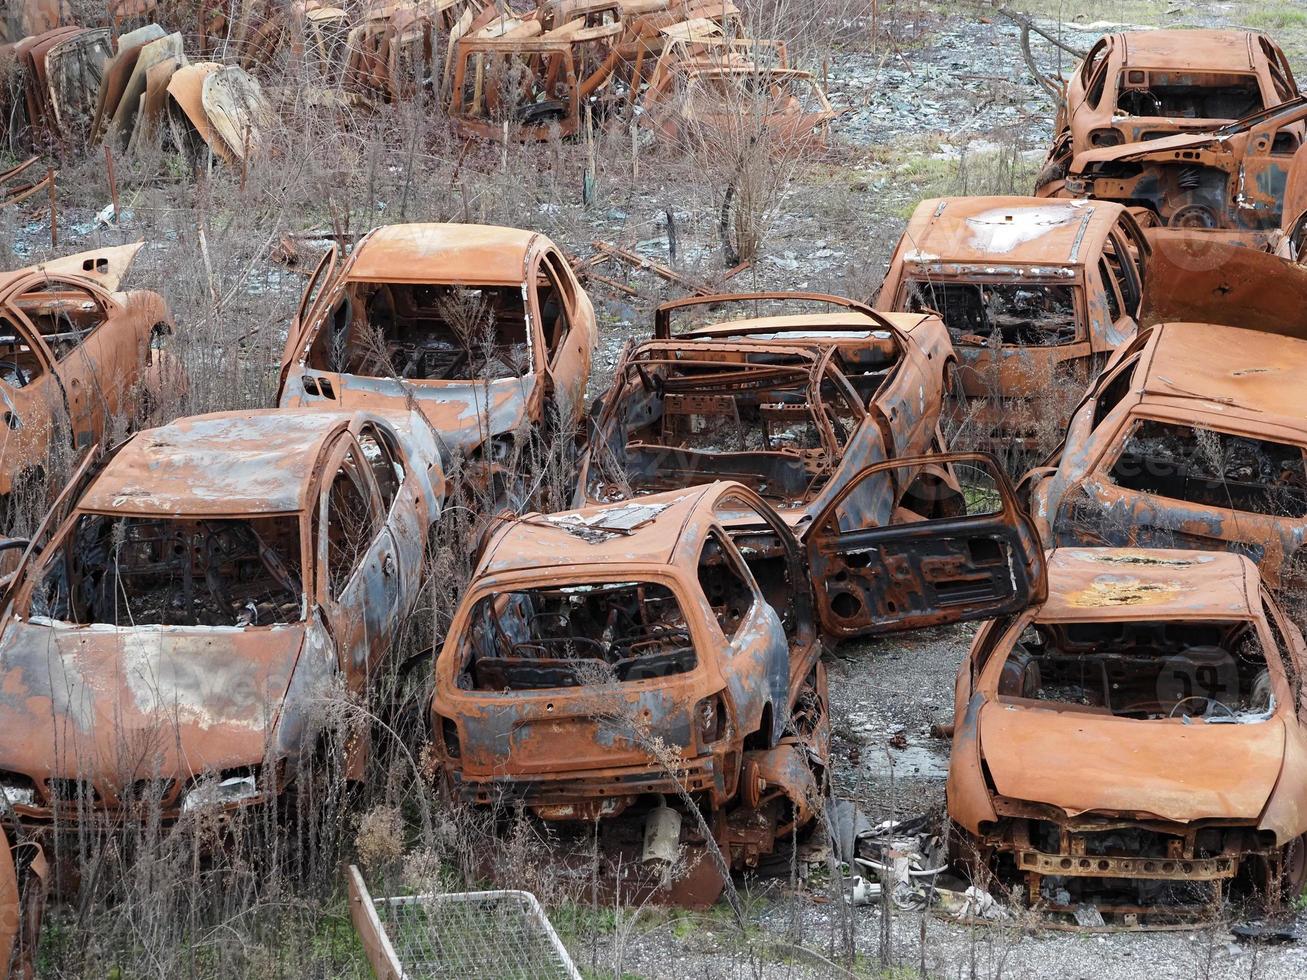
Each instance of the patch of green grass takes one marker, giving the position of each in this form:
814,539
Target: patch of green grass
1275,15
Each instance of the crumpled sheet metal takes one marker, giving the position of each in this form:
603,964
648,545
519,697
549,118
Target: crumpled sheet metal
1194,278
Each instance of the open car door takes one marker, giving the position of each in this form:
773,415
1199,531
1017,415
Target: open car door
323,275
63,505
923,570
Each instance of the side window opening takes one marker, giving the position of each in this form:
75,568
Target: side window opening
1212,469
1023,314
1291,673
1098,83
1093,60
383,459
351,525
63,313
1110,288
763,554
554,291
1111,394
1122,272
20,366
723,584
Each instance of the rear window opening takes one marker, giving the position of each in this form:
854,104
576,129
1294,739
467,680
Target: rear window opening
1188,95
1213,469
1214,672
1023,314
575,635
147,571
426,332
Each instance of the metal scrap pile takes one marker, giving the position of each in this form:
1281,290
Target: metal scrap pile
666,64
74,86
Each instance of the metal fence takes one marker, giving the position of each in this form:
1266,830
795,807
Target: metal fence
491,935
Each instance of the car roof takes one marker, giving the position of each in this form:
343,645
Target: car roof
1133,583
1202,50
443,253
644,531
245,463
1192,360
1042,231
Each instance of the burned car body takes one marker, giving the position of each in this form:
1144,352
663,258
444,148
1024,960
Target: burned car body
178,626
485,329
530,76
1228,182
733,92
654,665
1137,86
1178,445
1035,294
75,353
794,406
1136,743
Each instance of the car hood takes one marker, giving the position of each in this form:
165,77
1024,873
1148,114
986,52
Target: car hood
1080,762
101,702
463,414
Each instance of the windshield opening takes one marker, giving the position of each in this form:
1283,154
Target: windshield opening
1026,314
150,571
1151,670
425,332
758,421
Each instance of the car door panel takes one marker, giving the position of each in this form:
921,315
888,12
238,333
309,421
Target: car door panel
871,581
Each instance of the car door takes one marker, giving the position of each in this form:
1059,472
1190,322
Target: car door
65,319
33,404
323,275
403,509
1264,171
358,574
556,308
926,572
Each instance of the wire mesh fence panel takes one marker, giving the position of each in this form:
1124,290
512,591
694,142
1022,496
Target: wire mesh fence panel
493,935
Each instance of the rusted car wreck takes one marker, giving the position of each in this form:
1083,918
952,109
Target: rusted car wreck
76,355
484,329
1228,182
794,405
1036,295
661,685
1135,742
1178,445
1137,86
180,624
